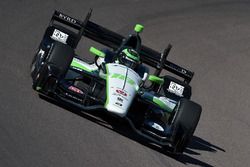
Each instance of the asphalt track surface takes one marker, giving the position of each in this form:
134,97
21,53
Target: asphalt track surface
211,38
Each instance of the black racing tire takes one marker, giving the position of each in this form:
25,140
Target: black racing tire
185,122
58,58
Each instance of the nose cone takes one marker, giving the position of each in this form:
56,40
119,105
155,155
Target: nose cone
116,110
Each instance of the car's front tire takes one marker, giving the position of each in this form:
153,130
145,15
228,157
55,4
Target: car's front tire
185,122
49,67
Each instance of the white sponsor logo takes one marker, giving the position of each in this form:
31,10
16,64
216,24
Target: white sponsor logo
176,88
59,36
67,18
183,71
41,52
158,127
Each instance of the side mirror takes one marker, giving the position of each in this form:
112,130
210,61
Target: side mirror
156,79
138,28
97,52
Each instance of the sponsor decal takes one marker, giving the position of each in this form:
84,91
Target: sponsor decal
59,36
41,52
75,89
120,96
176,88
183,71
119,99
119,104
157,126
73,97
67,18
121,92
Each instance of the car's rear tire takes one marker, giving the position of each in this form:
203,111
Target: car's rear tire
49,68
185,122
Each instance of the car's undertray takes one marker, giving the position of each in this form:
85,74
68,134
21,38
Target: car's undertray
87,93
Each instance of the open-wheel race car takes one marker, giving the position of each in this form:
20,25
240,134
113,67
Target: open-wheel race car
115,82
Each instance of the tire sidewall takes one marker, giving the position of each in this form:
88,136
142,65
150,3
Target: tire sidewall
184,123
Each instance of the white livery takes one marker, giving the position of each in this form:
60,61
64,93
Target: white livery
122,86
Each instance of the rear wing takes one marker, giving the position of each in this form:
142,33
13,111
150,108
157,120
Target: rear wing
113,40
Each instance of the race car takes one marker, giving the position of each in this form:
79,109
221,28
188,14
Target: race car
118,81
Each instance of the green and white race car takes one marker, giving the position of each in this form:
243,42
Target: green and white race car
117,81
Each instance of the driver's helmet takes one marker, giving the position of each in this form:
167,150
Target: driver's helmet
129,57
